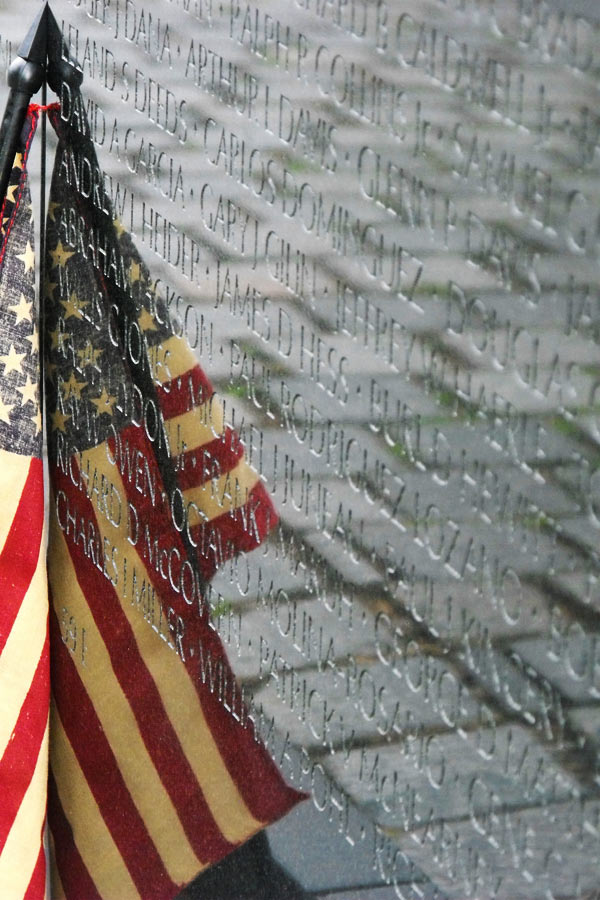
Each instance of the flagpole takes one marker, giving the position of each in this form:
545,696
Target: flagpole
42,256
26,76
43,188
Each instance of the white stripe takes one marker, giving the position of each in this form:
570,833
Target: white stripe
22,847
14,469
22,651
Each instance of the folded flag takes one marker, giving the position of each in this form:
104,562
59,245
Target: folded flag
156,769
24,675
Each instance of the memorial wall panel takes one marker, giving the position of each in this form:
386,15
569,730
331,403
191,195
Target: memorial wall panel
377,224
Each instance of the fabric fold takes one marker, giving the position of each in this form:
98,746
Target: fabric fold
24,659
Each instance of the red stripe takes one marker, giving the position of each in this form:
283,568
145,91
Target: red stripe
215,458
21,755
238,531
140,689
76,879
255,775
180,395
36,889
102,774
20,554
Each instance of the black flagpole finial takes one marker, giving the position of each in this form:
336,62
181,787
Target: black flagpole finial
27,72
60,66
25,77
33,47
43,57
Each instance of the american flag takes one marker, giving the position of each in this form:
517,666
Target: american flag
156,768
24,675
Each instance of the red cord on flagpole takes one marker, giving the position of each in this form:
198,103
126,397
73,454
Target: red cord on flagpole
38,107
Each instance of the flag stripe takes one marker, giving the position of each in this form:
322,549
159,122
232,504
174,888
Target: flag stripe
131,796
231,533
94,754
206,500
36,888
22,846
188,388
74,879
220,495
214,458
19,556
233,746
94,841
178,693
20,757
195,428
14,469
22,651
142,691
24,677
179,361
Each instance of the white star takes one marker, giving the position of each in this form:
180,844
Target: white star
12,360
5,409
33,340
60,255
28,257
28,391
104,403
22,310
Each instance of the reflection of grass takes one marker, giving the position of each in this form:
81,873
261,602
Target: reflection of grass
539,521
221,608
404,453
431,289
566,427
459,408
236,390
260,398
590,369
447,399
243,390
400,451
294,164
